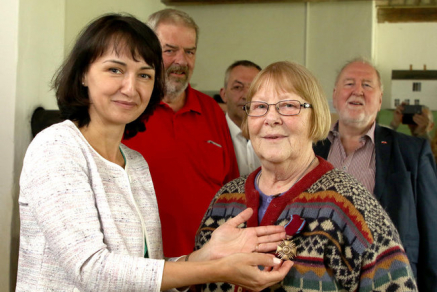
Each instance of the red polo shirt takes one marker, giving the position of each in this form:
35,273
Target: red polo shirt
190,156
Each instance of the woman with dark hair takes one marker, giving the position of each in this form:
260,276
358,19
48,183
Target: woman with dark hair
124,35
89,216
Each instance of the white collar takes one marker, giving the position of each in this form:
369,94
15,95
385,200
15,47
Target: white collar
233,128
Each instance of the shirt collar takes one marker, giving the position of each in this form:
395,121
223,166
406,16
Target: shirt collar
334,133
233,128
191,103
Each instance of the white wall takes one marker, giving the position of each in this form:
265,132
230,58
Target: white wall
53,38
79,13
8,88
337,32
321,36
400,44
32,37
262,33
40,49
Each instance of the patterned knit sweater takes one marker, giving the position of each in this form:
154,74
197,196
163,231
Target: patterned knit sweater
348,243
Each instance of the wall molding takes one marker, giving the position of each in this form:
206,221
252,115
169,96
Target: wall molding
199,2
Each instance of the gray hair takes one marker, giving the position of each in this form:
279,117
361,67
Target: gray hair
364,61
172,16
244,63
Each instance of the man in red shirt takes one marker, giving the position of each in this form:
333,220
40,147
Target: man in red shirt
187,142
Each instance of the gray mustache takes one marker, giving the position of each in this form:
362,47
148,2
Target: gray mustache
177,69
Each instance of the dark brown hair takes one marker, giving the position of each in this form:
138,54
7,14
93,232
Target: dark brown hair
121,33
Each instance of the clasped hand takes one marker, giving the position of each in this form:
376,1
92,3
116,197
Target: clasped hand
240,252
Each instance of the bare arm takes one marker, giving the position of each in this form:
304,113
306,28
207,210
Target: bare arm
228,257
240,269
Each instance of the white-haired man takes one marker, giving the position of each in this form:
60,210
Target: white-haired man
398,169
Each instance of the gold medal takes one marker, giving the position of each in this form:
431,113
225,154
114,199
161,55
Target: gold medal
286,250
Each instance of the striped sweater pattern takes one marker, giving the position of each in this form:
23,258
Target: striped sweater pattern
348,244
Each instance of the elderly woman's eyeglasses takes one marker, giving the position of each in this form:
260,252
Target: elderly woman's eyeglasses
283,107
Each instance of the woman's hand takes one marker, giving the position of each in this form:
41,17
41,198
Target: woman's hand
242,269
229,239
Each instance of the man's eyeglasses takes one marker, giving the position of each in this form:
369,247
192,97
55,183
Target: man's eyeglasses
283,107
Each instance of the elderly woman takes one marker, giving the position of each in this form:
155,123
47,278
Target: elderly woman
340,239
88,211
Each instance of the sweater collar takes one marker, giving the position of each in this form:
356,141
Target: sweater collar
279,203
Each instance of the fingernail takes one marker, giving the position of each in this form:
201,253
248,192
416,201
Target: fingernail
277,261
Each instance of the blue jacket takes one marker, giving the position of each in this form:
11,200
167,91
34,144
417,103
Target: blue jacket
406,187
